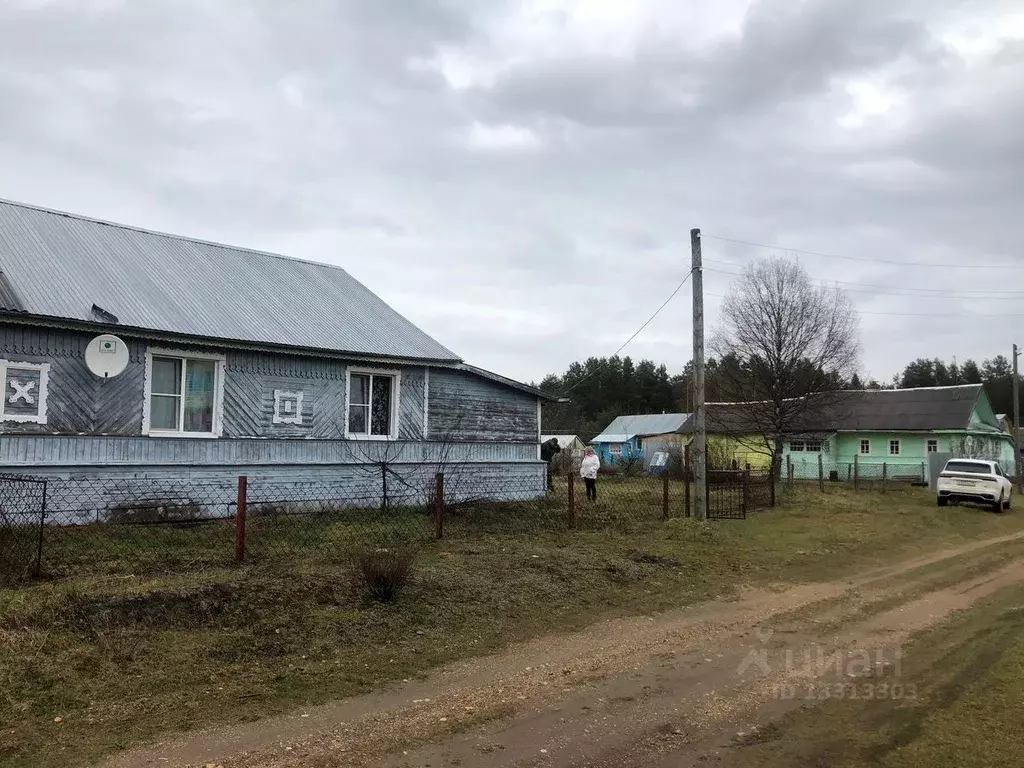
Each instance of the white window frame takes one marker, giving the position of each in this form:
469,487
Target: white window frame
865,441
898,447
797,446
39,417
396,395
614,449
931,445
814,446
280,417
218,392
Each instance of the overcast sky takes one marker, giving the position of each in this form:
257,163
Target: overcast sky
520,178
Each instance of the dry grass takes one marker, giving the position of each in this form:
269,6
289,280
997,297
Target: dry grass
123,659
967,681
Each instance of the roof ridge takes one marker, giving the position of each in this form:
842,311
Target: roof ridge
169,235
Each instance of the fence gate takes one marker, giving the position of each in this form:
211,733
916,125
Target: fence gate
22,517
727,498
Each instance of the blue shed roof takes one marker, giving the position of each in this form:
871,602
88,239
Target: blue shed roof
65,266
628,427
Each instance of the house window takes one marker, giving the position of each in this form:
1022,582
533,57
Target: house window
813,446
24,393
796,445
894,447
372,404
865,447
615,449
933,446
639,443
183,394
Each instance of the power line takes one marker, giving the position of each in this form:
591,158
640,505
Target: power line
706,236
638,331
935,293
918,314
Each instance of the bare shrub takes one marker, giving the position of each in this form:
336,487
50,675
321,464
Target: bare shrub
381,574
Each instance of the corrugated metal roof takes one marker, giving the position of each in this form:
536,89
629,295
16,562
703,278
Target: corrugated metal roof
647,424
9,301
918,409
60,265
613,437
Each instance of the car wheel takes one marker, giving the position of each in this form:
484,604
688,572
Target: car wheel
941,501
1006,504
997,506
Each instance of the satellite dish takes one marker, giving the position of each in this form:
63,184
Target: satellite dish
106,356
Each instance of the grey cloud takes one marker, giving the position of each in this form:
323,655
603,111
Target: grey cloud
323,134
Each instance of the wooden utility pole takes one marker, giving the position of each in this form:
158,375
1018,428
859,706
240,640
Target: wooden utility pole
1017,466
699,453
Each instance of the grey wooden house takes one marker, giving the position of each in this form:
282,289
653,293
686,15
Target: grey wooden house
239,362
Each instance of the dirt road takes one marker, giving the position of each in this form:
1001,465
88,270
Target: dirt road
668,690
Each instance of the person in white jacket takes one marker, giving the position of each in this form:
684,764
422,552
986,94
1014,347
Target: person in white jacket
588,471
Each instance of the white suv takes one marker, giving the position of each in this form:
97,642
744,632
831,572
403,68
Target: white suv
974,480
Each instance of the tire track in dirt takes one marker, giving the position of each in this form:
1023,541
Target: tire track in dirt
619,689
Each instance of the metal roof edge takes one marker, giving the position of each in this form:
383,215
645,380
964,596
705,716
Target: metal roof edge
23,318
512,383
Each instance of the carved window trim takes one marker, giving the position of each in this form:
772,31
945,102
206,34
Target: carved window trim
39,417
280,417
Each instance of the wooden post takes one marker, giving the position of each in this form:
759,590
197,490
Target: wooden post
924,475
240,511
789,470
439,505
885,473
664,496
856,472
38,571
572,500
821,475
686,481
745,490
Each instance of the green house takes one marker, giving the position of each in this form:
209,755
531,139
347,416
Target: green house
862,430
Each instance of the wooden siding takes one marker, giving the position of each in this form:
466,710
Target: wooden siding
467,407
54,450
77,401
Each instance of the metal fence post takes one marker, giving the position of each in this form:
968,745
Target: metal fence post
664,496
789,470
885,473
42,526
572,500
240,511
856,472
686,481
821,475
745,490
771,480
924,475
439,506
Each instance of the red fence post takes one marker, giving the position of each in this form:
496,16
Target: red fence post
572,500
243,488
439,505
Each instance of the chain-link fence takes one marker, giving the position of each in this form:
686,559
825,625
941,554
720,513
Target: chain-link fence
828,473
65,526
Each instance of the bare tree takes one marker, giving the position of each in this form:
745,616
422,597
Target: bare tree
786,347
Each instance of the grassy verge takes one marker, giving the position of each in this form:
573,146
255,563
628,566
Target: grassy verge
967,681
123,659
